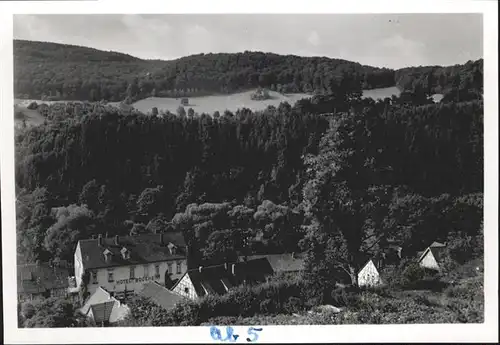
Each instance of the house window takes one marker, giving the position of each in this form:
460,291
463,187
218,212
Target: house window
132,272
146,271
186,290
157,270
94,277
170,268
179,263
110,276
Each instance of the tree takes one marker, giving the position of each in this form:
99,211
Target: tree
55,312
149,202
73,223
222,246
90,195
343,206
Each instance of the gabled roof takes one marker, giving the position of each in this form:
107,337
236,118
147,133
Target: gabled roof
215,279
100,295
436,252
143,249
160,295
282,262
104,307
38,278
363,267
437,245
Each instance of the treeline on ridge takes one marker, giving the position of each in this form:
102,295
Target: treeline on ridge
63,72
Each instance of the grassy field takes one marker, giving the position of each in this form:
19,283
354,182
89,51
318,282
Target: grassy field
205,104
210,104
381,93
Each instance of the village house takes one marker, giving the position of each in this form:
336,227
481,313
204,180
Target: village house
219,279
281,263
42,280
123,264
103,308
369,275
431,256
160,295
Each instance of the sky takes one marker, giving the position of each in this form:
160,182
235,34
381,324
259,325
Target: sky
382,40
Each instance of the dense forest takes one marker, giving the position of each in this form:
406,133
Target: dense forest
231,178
457,83
63,72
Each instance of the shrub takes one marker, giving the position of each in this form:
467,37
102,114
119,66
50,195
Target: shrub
293,305
411,275
345,296
267,306
27,310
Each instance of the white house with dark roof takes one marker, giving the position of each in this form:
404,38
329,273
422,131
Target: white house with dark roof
368,275
124,264
431,256
219,279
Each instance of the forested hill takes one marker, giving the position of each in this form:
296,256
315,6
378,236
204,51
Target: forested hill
78,73
67,72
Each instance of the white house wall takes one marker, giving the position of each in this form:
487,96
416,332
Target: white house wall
78,265
122,280
182,285
369,275
429,261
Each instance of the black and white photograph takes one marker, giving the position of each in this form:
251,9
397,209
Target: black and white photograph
238,171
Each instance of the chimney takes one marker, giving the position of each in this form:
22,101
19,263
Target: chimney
117,240
99,240
233,269
200,268
161,237
293,255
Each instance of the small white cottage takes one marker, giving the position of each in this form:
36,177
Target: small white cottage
369,275
431,257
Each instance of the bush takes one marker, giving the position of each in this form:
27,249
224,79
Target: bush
345,296
272,297
293,305
260,94
27,310
412,274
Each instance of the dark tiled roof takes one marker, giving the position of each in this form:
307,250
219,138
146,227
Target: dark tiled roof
282,262
33,278
102,311
143,249
215,279
160,295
